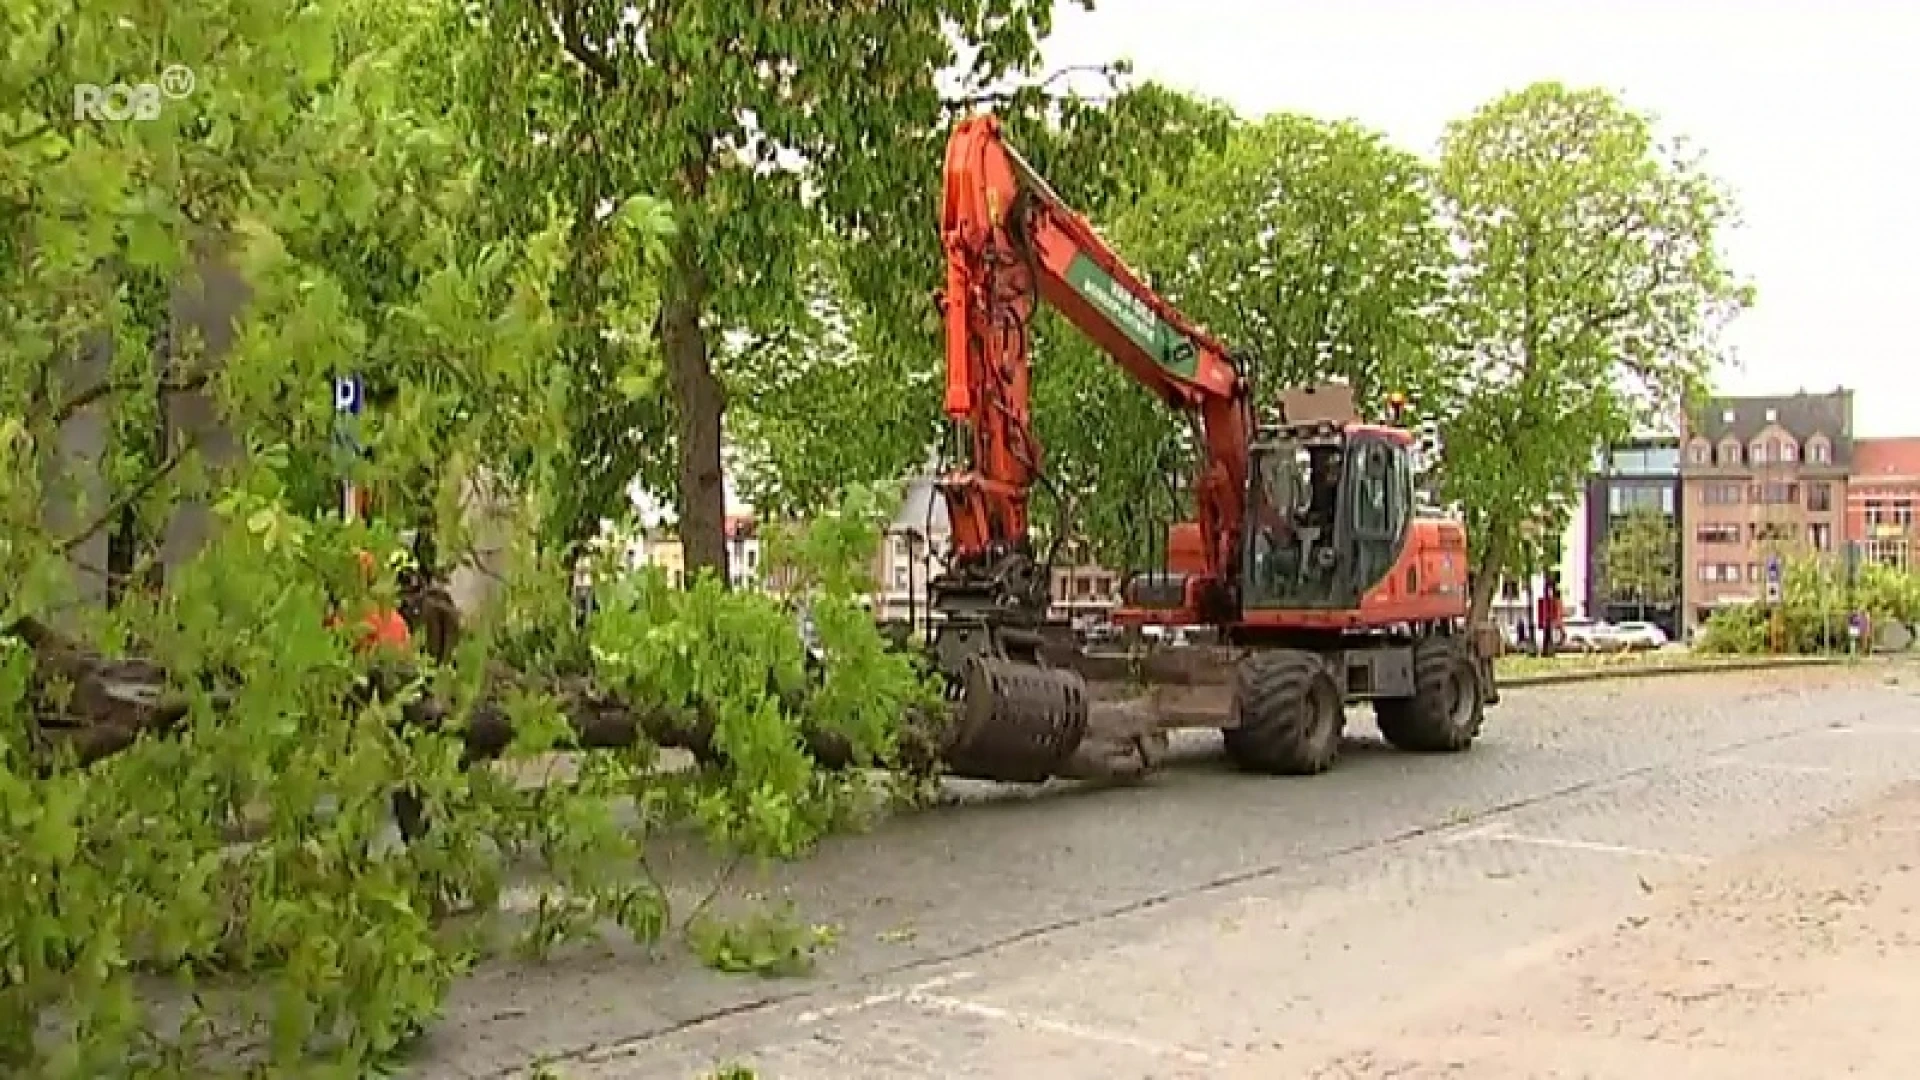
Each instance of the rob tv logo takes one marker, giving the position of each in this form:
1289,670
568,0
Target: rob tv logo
141,101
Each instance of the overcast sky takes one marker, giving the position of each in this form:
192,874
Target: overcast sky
1813,119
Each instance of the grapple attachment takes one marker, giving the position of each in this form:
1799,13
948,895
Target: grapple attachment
1018,723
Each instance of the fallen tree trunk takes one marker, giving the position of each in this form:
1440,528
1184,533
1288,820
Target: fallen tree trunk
112,704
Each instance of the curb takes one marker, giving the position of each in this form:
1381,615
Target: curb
1557,678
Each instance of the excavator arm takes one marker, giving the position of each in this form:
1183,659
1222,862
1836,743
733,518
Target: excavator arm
1011,243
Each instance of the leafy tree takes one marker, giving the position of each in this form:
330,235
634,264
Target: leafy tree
1313,248
1641,561
765,128
1591,298
334,159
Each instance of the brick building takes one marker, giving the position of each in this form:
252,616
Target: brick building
1760,477
1881,495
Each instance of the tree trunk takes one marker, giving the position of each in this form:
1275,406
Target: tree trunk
1486,583
699,403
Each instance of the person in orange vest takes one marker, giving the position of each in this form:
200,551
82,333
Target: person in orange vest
381,627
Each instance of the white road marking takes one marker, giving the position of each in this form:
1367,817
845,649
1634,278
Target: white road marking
1870,729
1031,1022
926,996
1604,849
1777,766
884,997
1484,832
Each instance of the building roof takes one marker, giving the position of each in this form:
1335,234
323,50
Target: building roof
1803,415
1887,459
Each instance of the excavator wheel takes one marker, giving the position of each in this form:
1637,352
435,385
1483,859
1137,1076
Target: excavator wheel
1447,707
1292,714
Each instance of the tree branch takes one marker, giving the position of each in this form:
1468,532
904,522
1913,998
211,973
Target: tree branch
1003,97
65,410
596,64
120,505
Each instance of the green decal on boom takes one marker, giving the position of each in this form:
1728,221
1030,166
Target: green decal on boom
1169,348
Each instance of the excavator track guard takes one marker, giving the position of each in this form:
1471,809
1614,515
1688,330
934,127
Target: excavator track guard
1019,722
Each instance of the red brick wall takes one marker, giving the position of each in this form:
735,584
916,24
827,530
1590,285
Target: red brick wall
1887,470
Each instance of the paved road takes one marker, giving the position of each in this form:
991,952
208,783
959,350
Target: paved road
1216,924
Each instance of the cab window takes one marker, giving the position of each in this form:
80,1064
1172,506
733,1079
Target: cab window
1374,504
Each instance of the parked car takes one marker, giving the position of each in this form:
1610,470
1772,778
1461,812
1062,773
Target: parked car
1636,636
1581,634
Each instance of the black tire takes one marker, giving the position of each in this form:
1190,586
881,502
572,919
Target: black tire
1292,714
1447,708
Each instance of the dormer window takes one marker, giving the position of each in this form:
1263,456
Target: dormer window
1819,450
1758,452
1788,451
1773,416
1729,452
1700,452
1726,417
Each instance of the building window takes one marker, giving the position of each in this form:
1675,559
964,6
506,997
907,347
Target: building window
1718,533
1820,496
1726,416
1631,498
1773,494
1788,451
1730,453
1771,533
1720,494
1753,572
1773,416
1699,453
1820,536
1889,512
1819,451
1728,573
1890,551
1758,453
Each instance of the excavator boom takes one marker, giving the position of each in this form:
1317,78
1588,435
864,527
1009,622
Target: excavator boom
1011,243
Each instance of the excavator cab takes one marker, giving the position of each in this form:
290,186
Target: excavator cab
1330,509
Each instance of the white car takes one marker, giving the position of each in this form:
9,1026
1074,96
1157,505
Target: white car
1580,634
1638,635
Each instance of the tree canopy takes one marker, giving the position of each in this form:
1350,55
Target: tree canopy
1589,299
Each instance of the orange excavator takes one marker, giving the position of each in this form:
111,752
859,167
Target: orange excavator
1323,578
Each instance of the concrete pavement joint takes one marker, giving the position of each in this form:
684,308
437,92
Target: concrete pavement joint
1449,828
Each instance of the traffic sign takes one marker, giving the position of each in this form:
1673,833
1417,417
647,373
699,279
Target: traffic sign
348,395
1773,579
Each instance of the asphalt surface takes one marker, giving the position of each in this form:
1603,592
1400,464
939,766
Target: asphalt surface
1210,923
